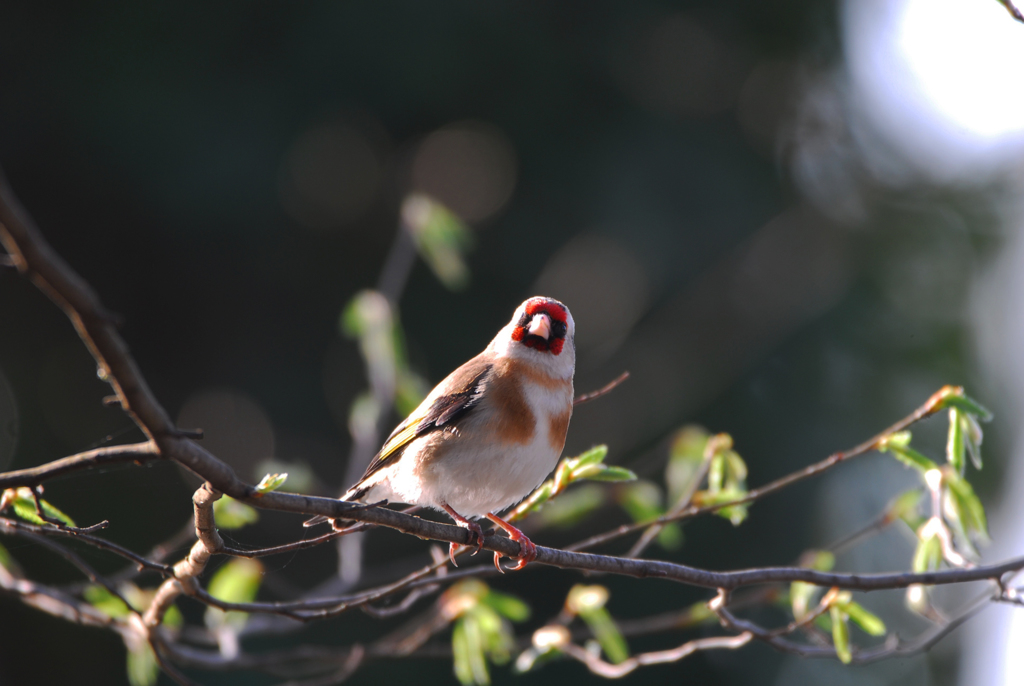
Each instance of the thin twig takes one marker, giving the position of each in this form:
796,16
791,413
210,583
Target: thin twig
90,459
11,526
684,499
930,407
604,390
33,257
1012,9
610,670
53,521
75,560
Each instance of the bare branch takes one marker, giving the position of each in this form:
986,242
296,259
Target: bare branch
186,571
615,671
1012,9
604,390
892,647
52,601
32,256
684,499
930,407
9,526
74,559
100,457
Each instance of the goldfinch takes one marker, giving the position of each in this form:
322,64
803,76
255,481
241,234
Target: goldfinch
488,434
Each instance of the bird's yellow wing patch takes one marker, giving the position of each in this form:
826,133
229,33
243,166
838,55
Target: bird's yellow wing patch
466,384
407,432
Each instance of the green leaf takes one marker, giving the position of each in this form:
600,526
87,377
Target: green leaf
716,473
533,502
688,443
24,505
801,593
898,445
906,506
736,470
5,558
821,560
927,555
300,476
573,506
670,537
900,439
974,436
869,623
368,312
840,634
26,509
595,455
735,513
972,512
238,581
271,482
173,618
441,238
955,441
495,634
142,665
477,645
968,406
460,653
605,473
642,501
53,513
105,601
232,514
508,606
686,455
607,634
588,602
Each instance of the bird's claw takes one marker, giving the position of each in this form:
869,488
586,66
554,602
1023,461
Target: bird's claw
476,540
527,552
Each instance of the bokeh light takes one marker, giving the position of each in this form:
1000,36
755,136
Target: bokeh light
940,79
607,286
469,166
235,427
331,176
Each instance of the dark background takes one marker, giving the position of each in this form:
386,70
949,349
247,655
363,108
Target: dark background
228,176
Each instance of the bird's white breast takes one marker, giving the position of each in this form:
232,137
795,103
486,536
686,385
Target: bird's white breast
475,470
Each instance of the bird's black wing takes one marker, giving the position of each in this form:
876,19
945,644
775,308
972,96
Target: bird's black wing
468,383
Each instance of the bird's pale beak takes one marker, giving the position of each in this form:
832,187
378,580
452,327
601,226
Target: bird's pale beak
540,325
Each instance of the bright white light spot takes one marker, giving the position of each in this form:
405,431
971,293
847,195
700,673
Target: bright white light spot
940,79
967,57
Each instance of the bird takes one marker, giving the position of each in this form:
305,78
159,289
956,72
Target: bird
488,434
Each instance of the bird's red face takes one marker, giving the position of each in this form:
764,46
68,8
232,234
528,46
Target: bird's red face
543,326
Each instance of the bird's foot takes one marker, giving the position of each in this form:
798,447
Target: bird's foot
527,549
476,534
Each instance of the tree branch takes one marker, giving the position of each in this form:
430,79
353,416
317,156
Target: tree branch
33,257
137,453
930,407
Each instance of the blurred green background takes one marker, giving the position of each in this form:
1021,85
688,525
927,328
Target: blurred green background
696,180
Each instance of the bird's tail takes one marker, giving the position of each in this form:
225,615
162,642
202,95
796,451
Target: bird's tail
352,495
